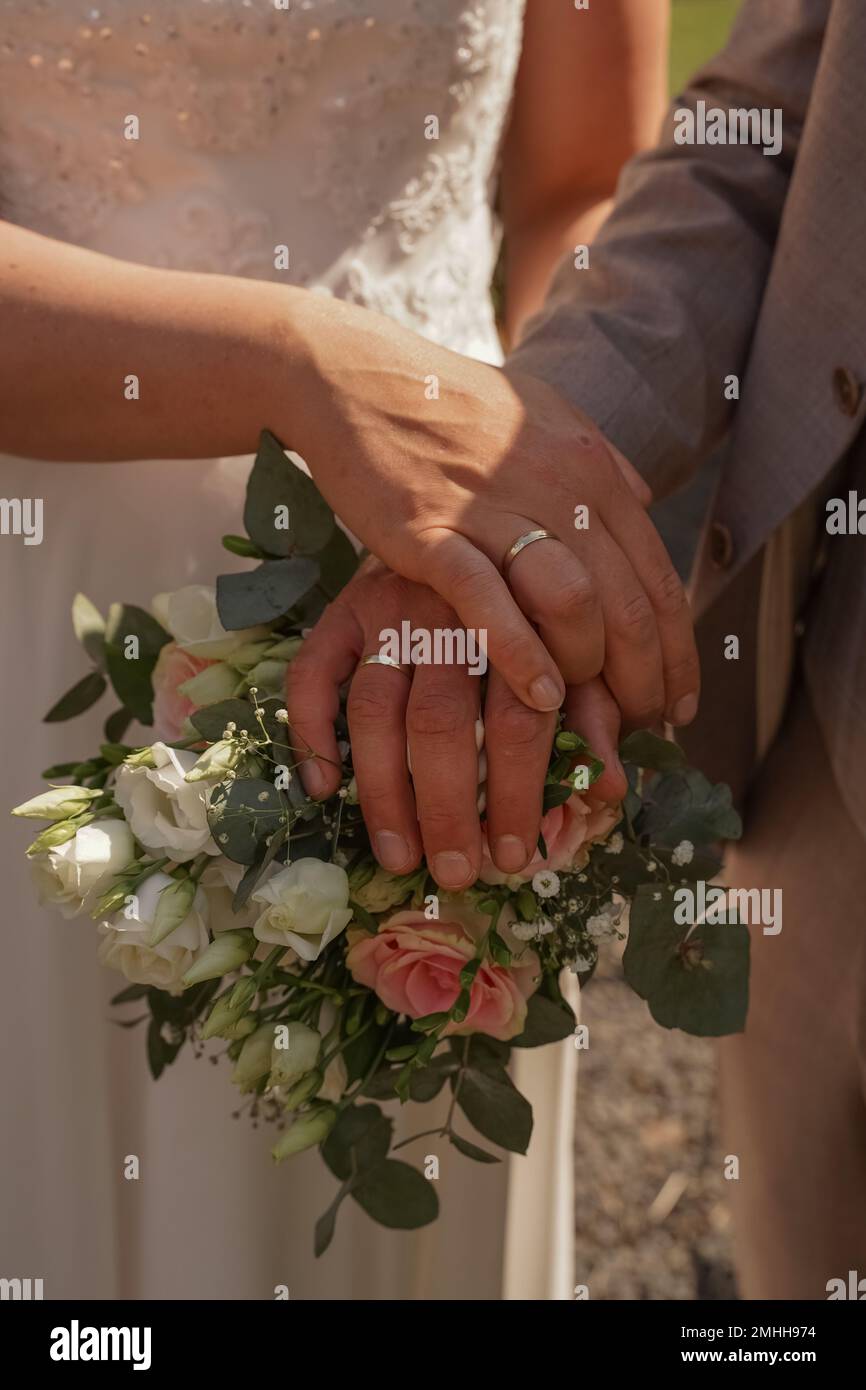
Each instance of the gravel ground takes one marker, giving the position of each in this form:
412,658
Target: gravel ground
652,1219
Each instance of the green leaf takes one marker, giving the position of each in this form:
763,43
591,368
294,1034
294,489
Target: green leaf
274,482
546,1022
239,545
131,675
646,749
89,627
264,594
472,1150
117,724
396,1195
325,1228
337,563
76,770
555,794
243,814
695,979
686,806
211,720
359,1140
268,851
126,996
82,695
491,1102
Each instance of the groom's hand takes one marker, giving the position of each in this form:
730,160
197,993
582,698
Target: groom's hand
440,463
431,710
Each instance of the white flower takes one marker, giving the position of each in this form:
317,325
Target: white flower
124,945
603,924
191,616
579,964
305,907
546,883
614,844
74,874
684,853
167,814
532,931
384,890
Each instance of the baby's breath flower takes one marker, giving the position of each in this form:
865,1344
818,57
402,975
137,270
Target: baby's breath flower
684,853
282,716
614,844
546,883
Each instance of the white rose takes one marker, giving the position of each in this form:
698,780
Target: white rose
220,881
191,616
166,814
124,945
73,875
305,907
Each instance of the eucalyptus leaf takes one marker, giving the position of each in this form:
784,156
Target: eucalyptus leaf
133,641
494,1106
396,1195
82,695
243,814
472,1150
646,749
686,806
693,978
275,482
89,627
338,561
546,1022
268,851
359,1140
211,720
264,594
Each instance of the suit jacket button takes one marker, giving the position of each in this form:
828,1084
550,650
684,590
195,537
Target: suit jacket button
721,546
847,390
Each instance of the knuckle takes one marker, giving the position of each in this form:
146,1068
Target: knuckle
636,619
369,705
436,714
577,600
517,727
668,594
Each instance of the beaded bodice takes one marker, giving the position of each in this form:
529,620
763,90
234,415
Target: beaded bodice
342,144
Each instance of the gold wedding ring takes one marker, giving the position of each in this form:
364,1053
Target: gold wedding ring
521,543
377,659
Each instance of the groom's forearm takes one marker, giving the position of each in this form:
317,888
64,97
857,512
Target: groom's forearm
644,338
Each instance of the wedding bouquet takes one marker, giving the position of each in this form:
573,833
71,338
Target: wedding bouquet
239,909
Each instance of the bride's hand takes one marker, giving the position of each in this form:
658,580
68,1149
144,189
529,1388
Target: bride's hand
440,463
434,708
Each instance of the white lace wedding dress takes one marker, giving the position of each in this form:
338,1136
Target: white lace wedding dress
259,126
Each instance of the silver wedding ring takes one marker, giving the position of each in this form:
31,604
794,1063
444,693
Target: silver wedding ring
521,543
377,659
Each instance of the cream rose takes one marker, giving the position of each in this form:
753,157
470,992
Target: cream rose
124,945
305,906
72,876
166,814
191,616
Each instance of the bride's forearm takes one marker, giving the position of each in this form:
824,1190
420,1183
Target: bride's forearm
102,359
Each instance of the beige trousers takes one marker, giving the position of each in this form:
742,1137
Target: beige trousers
793,1085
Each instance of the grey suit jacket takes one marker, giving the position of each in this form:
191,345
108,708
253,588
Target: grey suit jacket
721,261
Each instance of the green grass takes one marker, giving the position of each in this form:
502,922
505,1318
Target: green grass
700,28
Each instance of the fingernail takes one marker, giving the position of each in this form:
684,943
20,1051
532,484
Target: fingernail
451,869
685,710
313,779
392,850
510,854
545,692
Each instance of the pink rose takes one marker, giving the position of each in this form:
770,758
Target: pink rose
170,707
414,965
568,832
